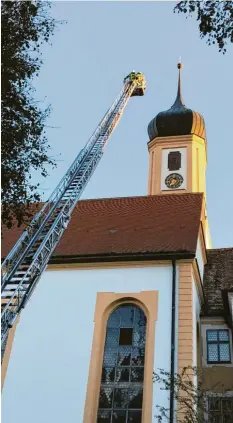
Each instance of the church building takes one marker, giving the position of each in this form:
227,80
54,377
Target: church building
140,289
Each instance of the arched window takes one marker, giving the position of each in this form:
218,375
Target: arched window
121,390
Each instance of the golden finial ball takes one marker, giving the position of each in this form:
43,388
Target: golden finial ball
179,65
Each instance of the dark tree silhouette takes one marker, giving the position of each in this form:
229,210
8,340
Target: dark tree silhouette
26,25
215,20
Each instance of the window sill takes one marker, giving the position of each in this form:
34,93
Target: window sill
214,363
207,365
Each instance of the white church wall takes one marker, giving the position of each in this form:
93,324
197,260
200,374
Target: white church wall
52,347
196,319
199,257
177,320
230,299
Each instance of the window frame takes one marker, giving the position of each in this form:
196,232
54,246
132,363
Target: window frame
221,396
130,385
213,323
106,302
218,342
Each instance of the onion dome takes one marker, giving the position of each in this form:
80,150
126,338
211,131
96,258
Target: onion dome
178,120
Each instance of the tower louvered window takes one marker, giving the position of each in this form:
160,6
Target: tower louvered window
121,390
174,160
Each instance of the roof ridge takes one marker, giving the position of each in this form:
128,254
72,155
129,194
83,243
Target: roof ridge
144,196
220,249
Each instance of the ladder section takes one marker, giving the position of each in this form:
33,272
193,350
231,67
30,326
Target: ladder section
12,261
26,262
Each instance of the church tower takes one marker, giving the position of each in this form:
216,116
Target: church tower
178,152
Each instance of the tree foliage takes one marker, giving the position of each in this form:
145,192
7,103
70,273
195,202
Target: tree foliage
26,25
215,20
190,396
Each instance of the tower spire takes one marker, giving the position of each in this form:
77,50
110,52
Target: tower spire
179,101
178,119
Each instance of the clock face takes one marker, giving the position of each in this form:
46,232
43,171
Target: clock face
174,180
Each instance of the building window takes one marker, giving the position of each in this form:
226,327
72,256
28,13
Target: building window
121,390
218,346
220,409
174,160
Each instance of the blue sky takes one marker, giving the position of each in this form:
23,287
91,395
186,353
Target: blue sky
81,76
83,73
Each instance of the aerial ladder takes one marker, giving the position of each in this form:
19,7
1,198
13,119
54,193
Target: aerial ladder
26,262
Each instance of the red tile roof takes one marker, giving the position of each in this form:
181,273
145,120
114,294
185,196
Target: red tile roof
128,225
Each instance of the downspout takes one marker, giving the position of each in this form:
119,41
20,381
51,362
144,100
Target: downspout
173,340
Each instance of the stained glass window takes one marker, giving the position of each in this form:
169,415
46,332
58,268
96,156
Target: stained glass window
121,390
218,346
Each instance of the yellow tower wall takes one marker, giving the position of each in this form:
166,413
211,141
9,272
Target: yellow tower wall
198,165
196,162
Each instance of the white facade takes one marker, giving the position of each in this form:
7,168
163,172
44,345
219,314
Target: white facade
58,321
200,260
230,299
196,320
